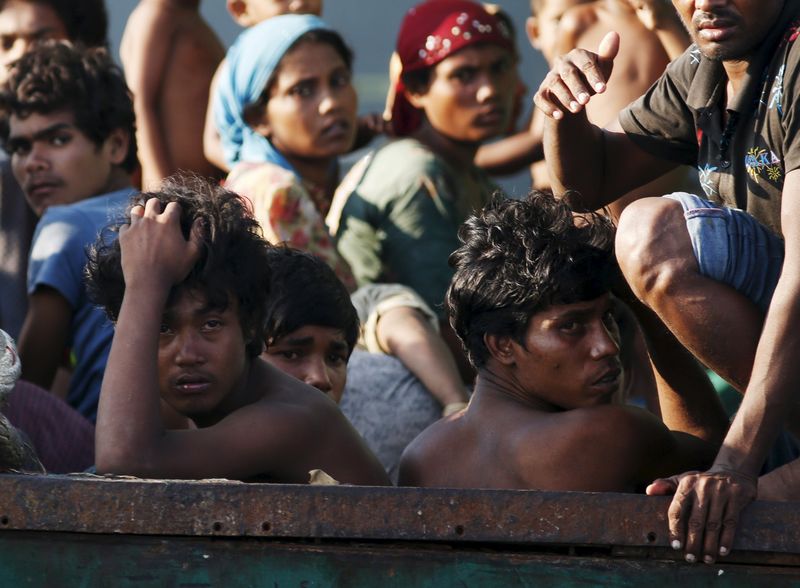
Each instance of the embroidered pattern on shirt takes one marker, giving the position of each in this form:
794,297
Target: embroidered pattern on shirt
695,54
760,161
776,94
705,179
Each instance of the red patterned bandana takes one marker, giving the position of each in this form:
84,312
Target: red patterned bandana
431,32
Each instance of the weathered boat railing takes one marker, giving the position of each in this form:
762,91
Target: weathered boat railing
389,520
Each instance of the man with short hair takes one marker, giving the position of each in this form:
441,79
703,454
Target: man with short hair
68,124
22,24
530,302
187,285
720,271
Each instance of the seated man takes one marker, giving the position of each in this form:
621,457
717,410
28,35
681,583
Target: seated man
530,301
187,285
68,124
312,332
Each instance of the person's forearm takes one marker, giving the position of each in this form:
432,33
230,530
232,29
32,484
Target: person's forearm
773,384
574,152
129,412
153,153
510,154
406,335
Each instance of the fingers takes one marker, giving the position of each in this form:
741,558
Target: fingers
704,513
576,77
662,487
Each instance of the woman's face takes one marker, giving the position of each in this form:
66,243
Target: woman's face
470,94
311,112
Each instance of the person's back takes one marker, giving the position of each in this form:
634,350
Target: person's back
530,301
170,55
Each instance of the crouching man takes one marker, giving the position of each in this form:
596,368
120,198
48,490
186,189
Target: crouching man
530,301
186,285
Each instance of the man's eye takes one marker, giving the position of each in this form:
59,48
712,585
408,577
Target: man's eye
570,326
465,75
60,140
337,359
7,43
289,354
212,324
164,329
19,148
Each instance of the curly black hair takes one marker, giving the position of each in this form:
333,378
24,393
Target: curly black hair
234,262
306,291
56,75
519,257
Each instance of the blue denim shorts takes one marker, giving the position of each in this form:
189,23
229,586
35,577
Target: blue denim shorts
733,248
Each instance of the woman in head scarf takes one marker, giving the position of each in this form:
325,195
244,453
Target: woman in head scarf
397,214
286,109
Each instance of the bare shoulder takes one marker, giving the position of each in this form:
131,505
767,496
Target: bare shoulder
423,458
590,449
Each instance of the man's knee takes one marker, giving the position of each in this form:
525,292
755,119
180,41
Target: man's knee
653,246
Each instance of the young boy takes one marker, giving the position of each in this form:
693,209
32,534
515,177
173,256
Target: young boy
187,285
170,55
312,330
22,24
68,124
530,301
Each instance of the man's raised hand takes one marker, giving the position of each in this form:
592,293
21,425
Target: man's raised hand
153,247
576,77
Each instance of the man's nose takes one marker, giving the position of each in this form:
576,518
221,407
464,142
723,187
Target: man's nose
604,343
188,350
317,376
487,88
37,158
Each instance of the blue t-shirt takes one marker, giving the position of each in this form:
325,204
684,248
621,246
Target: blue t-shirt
58,257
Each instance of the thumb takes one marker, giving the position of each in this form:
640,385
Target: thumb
609,46
663,487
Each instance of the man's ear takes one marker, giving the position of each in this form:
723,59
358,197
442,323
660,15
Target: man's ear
238,12
500,348
532,29
416,98
117,144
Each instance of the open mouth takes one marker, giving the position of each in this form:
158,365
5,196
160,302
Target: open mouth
191,384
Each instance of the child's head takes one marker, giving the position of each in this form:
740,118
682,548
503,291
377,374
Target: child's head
519,257
286,93
233,267
543,24
25,22
458,71
66,119
251,12
311,325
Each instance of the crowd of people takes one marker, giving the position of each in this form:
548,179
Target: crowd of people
195,291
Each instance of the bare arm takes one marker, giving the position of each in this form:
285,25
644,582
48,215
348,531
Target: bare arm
145,53
44,336
601,165
719,495
511,154
405,333
212,144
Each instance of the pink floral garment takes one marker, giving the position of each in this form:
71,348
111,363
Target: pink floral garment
289,211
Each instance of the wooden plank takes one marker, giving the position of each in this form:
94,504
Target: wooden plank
233,509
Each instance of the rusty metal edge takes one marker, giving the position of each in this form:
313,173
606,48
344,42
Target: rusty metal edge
215,508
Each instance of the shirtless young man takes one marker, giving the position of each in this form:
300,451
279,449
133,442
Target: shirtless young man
186,284
170,55
530,301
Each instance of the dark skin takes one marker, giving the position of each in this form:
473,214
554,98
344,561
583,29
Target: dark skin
255,422
541,416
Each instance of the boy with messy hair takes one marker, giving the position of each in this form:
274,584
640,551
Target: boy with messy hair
66,119
186,284
530,302
312,333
